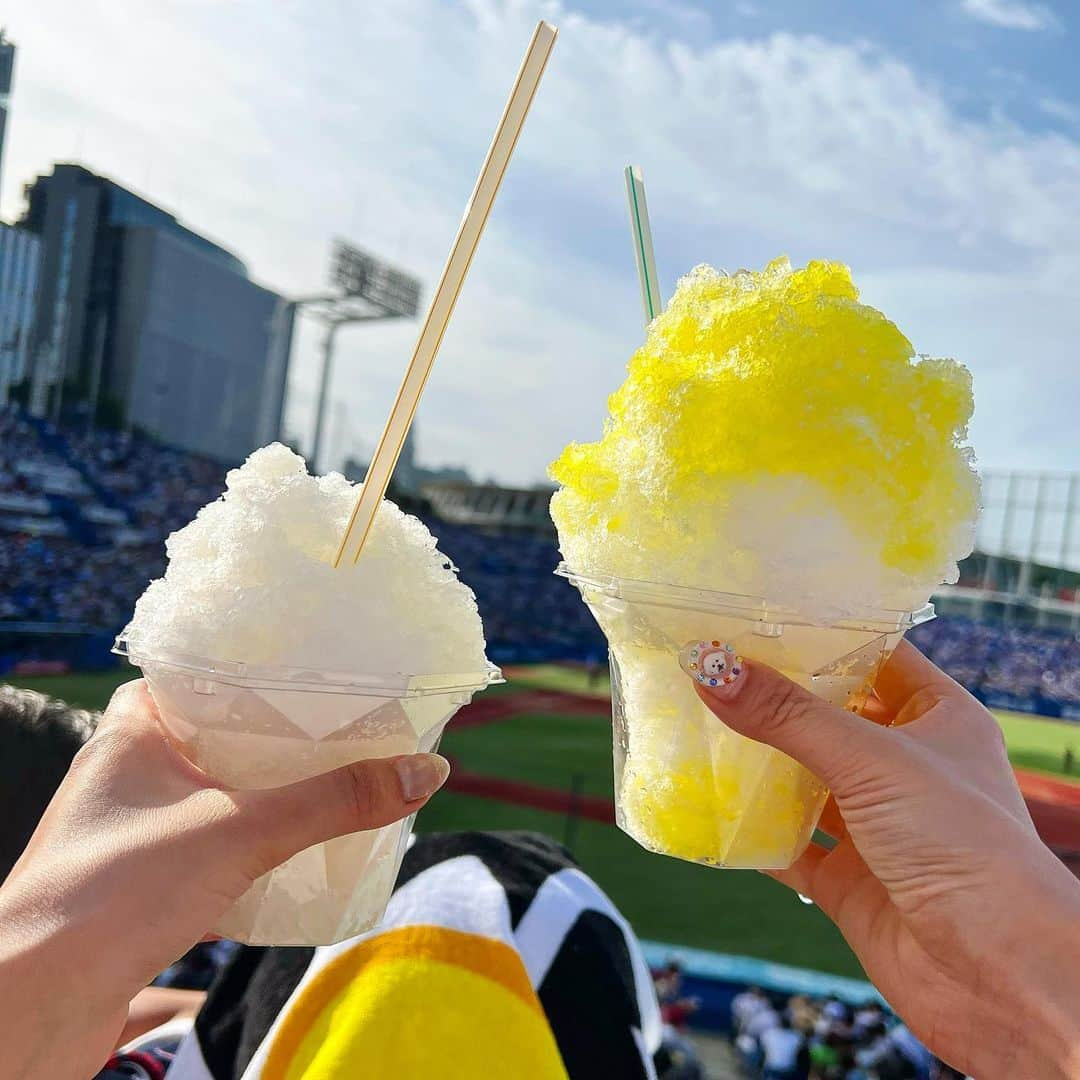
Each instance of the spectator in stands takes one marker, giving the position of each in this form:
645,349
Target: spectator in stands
867,1015
851,1071
749,1040
675,1007
894,1054
762,1020
682,1061
827,1053
802,1013
783,1053
834,1010
869,1045
668,981
745,1004
912,1051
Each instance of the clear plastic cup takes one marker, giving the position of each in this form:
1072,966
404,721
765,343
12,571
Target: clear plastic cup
686,785
261,727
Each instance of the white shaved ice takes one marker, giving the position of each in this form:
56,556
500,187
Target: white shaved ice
251,579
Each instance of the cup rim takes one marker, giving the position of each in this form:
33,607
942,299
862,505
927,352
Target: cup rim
736,605
275,677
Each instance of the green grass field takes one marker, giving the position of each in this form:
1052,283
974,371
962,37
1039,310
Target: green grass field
1040,745
573,679
87,691
668,900
541,748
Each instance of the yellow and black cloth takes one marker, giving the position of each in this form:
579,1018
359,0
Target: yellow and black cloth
497,958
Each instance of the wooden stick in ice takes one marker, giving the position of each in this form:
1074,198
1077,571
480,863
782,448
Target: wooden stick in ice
643,249
446,294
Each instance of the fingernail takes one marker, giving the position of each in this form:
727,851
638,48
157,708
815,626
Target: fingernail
421,775
714,664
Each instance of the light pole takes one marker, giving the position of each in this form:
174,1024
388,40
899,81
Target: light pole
334,321
370,290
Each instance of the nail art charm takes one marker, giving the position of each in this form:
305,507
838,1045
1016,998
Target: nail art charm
712,663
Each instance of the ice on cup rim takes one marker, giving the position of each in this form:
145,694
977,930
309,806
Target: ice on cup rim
737,605
307,679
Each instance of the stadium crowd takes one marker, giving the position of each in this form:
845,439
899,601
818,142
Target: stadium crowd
57,580
20,441
1022,662
83,535
159,487
529,613
805,1038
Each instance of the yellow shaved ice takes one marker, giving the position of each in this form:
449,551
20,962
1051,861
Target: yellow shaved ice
776,437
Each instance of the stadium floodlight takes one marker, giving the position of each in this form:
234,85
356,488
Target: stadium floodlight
359,274
364,289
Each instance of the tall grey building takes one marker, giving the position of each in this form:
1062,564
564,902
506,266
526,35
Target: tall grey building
19,260
7,74
148,324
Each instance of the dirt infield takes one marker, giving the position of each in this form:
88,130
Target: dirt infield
1054,804
558,801
492,709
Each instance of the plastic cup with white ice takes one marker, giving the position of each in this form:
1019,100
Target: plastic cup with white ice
780,479
268,665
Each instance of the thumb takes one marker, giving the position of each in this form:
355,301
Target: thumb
365,795
757,701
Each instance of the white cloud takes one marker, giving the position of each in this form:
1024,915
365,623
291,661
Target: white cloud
1060,110
1013,14
274,131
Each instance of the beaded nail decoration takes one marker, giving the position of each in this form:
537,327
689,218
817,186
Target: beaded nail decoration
712,663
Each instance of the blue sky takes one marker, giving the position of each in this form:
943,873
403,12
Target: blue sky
935,147
973,52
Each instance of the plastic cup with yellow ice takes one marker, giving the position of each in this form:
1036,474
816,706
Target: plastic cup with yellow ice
780,479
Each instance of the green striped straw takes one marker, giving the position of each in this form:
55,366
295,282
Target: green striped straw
643,249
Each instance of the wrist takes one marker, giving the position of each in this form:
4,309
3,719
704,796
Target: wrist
1040,976
1055,991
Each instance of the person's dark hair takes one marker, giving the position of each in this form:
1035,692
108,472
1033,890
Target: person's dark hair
39,736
